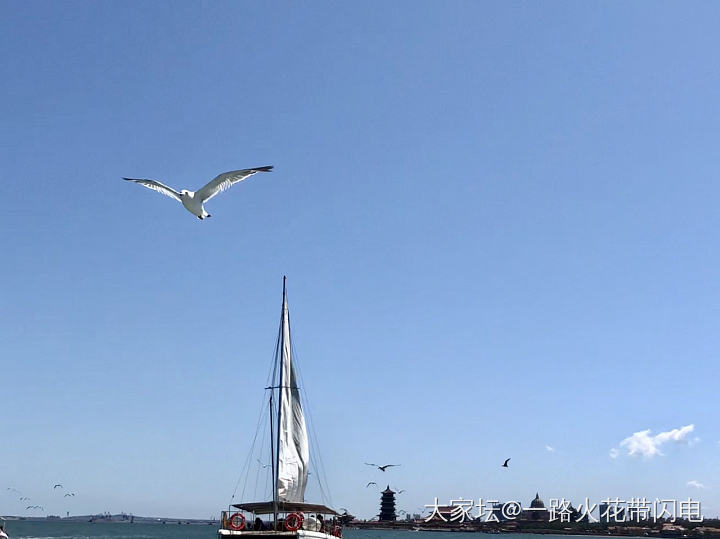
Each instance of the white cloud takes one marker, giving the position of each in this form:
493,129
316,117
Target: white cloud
550,448
643,444
695,483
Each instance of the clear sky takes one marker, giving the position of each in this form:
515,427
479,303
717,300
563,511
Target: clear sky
499,223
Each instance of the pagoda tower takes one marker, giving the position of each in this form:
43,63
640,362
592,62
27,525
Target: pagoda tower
387,505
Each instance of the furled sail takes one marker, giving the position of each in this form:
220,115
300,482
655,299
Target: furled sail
293,453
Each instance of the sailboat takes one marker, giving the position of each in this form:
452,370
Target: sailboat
287,513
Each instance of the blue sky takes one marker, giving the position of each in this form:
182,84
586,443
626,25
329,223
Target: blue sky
498,220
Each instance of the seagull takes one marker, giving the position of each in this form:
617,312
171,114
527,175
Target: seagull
370,483
505,465
382,468
71,494
56,486
261,464
194,200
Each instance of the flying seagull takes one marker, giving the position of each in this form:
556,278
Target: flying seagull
194,200
505,465
71,494
370,483
382,468
56,486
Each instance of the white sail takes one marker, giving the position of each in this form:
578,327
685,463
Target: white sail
293,453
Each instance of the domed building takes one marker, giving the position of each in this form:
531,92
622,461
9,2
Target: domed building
537,510
537,503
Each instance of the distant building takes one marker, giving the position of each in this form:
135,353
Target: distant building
574,514
387,505
496,512
442,514
536,511
611,514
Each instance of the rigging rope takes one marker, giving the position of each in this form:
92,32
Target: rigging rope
245,470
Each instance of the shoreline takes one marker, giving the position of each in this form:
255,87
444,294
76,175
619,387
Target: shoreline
708,528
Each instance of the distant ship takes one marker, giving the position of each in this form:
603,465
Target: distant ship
287,514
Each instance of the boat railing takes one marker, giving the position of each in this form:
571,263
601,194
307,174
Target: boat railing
236,520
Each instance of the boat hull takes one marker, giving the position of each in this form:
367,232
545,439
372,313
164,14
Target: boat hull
250,534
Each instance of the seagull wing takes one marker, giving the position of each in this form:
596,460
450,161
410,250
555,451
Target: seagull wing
225,181
370,464
157,186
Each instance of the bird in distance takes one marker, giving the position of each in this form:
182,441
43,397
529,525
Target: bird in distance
383,467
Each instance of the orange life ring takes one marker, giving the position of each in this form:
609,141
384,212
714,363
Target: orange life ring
233,525
293,521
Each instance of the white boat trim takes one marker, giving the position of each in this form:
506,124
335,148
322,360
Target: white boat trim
273,533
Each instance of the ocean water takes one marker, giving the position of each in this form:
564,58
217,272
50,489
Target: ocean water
106,530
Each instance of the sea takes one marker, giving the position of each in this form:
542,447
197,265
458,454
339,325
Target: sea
18,529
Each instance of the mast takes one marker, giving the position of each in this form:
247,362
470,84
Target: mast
272,456
280,399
